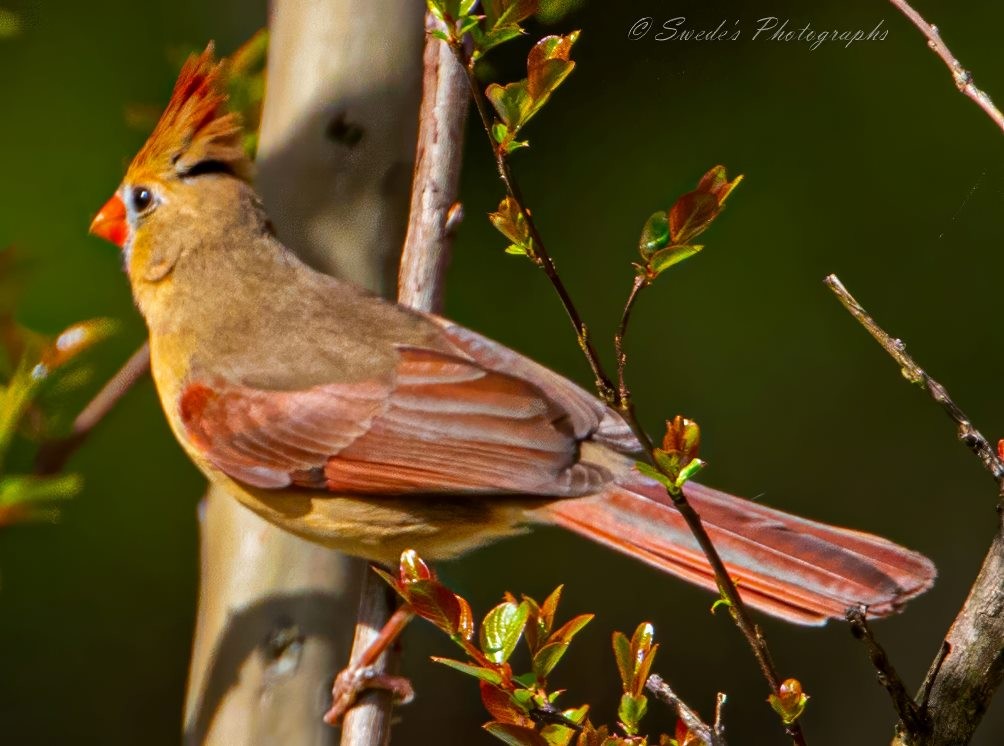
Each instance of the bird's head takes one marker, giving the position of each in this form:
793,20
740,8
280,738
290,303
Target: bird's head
168,195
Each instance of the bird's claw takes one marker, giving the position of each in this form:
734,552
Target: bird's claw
354,680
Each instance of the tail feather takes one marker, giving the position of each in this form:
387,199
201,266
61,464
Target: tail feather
793,568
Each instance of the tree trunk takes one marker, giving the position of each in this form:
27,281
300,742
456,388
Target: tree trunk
276,614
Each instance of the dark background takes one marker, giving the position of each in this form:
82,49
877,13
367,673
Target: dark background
862,161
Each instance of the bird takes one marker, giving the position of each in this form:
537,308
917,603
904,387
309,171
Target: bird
372,428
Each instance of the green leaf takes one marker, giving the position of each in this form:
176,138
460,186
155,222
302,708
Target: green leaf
630,712
557,735
545,659
515,735
622,654
500,12
571,628
437,8
512,103
484,41
467,24
500,133
526,680
663,259
652,473
501,630
721,602
514,145
576,714
654,234
689,471
479,672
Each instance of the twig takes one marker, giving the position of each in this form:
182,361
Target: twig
624,401
968,434
969,666
423,264
912,716
962,77
541,256
53,456
609,393
719,724
712,736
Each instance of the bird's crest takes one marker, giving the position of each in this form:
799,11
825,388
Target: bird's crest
196,130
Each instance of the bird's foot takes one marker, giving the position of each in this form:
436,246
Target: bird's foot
354,680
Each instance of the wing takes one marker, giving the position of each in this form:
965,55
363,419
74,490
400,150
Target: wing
439,422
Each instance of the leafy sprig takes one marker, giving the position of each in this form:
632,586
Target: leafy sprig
33,366
524,707
667,239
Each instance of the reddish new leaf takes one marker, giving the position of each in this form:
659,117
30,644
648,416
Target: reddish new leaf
436,603
502,707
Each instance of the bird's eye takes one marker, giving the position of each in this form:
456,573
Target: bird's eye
142,198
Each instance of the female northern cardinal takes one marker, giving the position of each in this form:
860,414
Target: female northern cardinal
371,428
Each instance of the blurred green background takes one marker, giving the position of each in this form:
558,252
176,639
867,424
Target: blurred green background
862,161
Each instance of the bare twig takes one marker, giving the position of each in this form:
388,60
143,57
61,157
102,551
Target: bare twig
53,456
610,393
719,724
912,716
423,264
624,401
710,735
969,666
962,77
968,434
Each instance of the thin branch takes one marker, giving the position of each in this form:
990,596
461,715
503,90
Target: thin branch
739,612
541,256
969,666
912,716
962,77
969,435
432,219
53,456
719,724
710,735
624,401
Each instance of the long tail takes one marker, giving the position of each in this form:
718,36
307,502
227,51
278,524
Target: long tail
799,570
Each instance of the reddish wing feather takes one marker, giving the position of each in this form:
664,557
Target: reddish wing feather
442,423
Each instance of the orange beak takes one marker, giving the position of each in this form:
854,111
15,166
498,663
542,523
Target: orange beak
110,222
